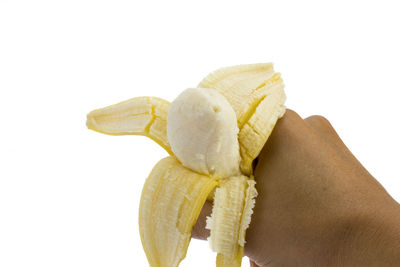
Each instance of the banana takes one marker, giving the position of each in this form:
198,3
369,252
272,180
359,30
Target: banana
212,133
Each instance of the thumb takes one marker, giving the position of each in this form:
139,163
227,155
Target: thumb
199,230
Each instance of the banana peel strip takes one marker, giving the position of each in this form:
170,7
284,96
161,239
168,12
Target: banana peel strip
143,115
171,201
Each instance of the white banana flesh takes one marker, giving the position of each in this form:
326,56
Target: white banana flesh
203,134
213,133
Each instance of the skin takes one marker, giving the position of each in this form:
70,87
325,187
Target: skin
317,205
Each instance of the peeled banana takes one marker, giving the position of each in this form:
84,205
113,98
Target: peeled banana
212,133
203,132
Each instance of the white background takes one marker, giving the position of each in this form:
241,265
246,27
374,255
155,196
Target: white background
70,196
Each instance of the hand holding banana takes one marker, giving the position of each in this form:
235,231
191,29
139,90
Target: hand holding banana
316,205
213,133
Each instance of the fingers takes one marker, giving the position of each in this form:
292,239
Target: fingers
326,131
199,229
290,127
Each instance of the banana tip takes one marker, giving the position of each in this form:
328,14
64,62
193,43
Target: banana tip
90,122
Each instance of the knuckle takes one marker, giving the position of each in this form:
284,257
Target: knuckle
319,119
291,114
289,120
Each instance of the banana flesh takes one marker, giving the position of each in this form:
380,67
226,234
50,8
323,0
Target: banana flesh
202,131
213,133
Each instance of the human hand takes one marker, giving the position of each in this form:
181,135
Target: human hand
317,205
